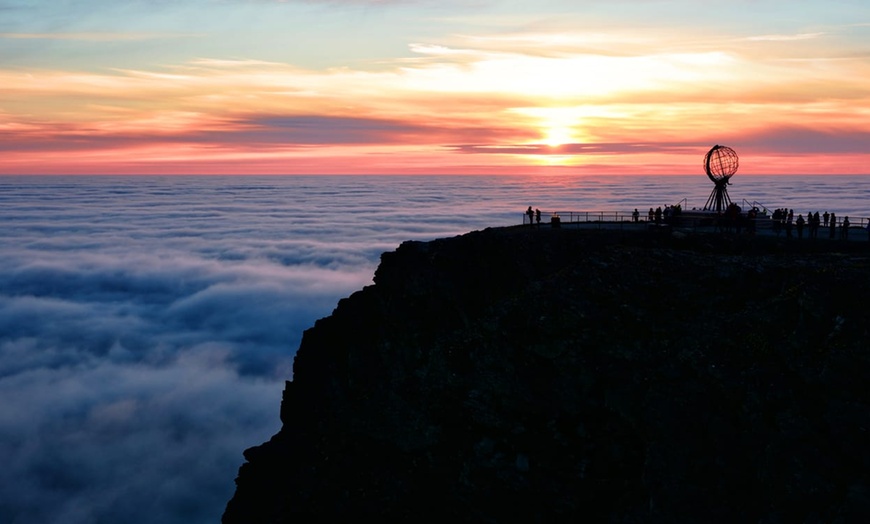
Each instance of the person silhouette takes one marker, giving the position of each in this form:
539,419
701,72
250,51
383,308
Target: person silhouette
538,216
531,215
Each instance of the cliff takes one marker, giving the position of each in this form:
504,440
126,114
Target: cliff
551,375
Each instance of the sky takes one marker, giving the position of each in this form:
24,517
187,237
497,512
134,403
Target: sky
425,86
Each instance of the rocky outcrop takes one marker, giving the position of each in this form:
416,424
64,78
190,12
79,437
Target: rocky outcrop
550,375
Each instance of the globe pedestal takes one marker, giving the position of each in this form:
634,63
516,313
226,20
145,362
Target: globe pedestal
719,199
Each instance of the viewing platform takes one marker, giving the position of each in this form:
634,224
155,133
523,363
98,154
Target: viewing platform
702,222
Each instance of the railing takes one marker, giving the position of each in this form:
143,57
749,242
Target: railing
587,217
622,218
823,229
755,204
601,219
854,223
593,216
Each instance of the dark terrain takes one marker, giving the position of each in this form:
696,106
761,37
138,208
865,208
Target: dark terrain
555,375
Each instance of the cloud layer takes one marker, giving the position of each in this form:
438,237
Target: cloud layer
147,324
146,329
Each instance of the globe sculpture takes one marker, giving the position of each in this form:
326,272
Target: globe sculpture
720,164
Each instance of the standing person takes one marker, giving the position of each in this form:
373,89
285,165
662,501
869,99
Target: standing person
635,216
832,227
531,215
844,230
825,218
538,216
650,215
800,226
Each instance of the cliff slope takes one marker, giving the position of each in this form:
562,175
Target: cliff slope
551,375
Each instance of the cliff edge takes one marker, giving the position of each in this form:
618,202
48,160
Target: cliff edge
549,375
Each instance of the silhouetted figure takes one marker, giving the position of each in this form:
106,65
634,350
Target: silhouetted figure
844,229
832,227
799,223
658,215
825,217
531,215
635,216
750,220
733,218
789,221
815,224
538,216
650,215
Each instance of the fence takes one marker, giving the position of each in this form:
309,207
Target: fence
687,218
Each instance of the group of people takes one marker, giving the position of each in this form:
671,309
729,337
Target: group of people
658,215
784,219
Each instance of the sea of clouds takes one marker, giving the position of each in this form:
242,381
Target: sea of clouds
147,324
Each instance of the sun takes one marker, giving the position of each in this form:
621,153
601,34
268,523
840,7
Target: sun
556,136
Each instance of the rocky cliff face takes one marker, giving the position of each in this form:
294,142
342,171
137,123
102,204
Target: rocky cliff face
553,375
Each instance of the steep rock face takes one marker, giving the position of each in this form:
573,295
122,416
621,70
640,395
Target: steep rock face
548,375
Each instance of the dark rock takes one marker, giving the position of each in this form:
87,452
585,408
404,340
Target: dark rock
552,375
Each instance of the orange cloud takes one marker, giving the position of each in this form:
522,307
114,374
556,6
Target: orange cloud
481,104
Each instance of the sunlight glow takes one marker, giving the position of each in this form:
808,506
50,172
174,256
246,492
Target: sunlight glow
481,99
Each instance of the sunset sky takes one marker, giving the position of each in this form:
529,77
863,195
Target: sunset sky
425,86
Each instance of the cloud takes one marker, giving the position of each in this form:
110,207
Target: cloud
144,375
800,140
253,132
147,325
318,129
197,109
146,330
121,443
785,38
620,148
97,37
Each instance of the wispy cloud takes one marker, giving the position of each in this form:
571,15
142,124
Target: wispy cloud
99,37
786,37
